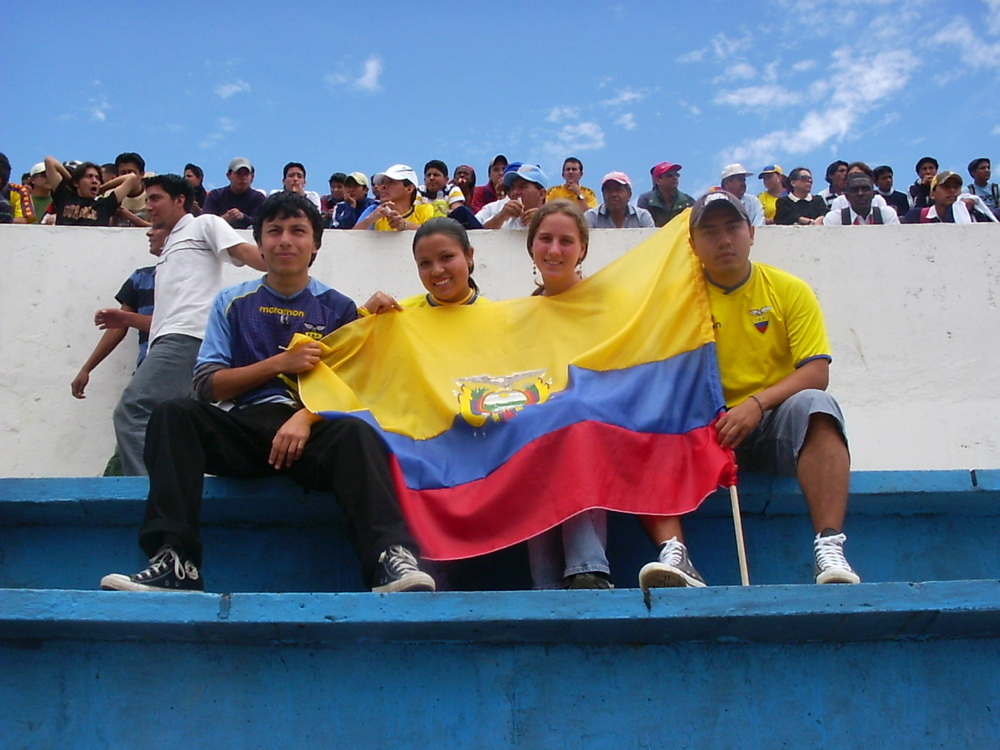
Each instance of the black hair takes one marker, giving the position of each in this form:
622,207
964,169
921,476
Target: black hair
449,228
291,164
288,205
337,177
974,165
860,165
173,185
198,171
437,164
833,167
573,159
81,169
4,170
130,157
879,171
794,175
110,167
926,160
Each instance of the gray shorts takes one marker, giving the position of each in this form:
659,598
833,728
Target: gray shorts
773,447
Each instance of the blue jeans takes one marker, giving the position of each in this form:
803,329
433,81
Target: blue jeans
164,374
575,546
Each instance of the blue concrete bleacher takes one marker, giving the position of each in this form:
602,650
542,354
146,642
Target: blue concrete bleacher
288,651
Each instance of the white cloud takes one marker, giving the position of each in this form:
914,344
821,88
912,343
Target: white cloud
693,56
98,107
558,114
223,125
739,70
226,90
804,65
754,97
857,84
721,47
972,48
583,136
626,96
993,16
995,131
691,108
367,81
627,121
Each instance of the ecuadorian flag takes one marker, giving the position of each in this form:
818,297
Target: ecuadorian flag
506,418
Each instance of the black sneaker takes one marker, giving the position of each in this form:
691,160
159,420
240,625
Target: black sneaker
397,570
168,571
831,565
592,580
672,568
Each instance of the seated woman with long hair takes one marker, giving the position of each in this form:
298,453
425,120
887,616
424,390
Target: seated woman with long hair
572,555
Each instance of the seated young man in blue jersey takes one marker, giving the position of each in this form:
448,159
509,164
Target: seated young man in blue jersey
774,362
244,360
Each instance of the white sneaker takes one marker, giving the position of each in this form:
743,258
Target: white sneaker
831,565
673,568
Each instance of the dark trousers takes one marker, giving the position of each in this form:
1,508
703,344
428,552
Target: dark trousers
187,439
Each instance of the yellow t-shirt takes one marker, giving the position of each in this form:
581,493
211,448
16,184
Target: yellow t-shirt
560,191
764,330
425,300
418,215
770,204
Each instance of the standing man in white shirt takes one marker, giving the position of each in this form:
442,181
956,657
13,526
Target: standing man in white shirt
188,276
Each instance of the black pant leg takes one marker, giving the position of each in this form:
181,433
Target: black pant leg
186,439
347,457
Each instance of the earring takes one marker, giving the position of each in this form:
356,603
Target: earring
534,277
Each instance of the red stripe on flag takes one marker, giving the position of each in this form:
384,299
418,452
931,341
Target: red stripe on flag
585,465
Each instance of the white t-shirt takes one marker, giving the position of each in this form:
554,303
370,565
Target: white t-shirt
312,195
189,274
490,210
835,218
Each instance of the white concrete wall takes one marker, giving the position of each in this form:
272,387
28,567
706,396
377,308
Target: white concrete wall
911,311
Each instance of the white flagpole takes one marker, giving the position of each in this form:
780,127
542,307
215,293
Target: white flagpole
741,551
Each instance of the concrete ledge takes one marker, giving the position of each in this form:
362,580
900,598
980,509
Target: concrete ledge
725,614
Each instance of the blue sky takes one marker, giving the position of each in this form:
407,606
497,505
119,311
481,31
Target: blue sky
360,86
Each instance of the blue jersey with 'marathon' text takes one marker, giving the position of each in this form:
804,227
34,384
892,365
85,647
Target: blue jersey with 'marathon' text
250,322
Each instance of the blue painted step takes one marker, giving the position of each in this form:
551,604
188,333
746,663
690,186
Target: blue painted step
272,536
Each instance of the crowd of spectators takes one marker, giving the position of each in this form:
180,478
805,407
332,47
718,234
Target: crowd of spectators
91,194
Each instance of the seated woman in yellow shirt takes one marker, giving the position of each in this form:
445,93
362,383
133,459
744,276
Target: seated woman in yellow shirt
398,209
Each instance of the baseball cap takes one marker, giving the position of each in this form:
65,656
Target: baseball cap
731,170
663,167
358,178
712,201
498,157
399,172
771,169
37,169
620,177
239,163
529,172
942,177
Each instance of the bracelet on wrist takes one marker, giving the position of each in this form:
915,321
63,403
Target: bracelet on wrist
759,404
